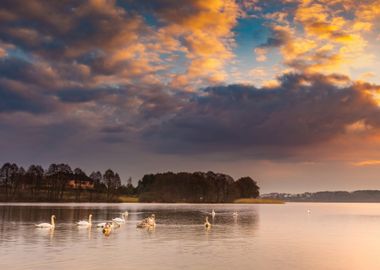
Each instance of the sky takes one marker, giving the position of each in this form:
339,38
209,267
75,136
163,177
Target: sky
284,91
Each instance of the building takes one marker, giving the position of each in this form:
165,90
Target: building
80,184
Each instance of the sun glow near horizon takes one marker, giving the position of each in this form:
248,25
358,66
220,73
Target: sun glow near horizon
192,84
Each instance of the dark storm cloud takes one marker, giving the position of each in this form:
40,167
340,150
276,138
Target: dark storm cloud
149,102
11,101
65,63
23,86
303,110
68,30
27,72
83,95
278,36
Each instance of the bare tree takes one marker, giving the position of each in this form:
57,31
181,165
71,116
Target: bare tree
8,175
34,178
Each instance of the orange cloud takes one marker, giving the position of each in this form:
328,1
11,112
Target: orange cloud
326,37
367,163
207,38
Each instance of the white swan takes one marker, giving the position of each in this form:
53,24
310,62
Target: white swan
207,224
213,213
152,221
47,225
85,223
119,220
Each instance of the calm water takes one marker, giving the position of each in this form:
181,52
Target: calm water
332,236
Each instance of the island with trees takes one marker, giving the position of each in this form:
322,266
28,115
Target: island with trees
61,183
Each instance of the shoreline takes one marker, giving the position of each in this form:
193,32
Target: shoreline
239,201
232,203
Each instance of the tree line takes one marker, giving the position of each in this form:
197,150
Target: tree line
38,184
198,187
329,196
54,184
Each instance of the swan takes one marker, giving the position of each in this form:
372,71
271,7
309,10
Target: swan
112,224
149,222
115,225
107,228
119,220
143,223
213,213
47,225
85,223
152,221
207,224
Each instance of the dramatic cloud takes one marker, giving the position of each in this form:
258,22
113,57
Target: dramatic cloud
302,110
141,79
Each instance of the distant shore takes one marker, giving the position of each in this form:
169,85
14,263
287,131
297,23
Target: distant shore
133,199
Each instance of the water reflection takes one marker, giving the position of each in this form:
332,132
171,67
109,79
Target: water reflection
267,236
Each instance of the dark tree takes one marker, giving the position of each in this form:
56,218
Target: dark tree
8,175
195,187
79,177
247,187
34,178
58,175
109,180
18,181
129,188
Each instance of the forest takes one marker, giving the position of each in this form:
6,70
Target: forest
61,183
198,187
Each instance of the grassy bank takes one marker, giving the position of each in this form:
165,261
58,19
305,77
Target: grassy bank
69,197
258,201
128,199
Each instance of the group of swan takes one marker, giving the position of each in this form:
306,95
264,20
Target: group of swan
116,222
207,224
149,222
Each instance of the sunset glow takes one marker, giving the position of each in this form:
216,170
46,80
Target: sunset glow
285,91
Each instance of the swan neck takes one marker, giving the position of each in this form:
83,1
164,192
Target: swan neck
52,221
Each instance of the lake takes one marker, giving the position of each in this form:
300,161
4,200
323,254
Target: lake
290,236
